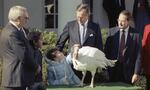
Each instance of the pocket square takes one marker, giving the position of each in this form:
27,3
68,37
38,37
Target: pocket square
91,35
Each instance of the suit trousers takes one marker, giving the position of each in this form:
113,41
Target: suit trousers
37,86
147,82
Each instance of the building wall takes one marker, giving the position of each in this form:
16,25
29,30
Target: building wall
35,9
66,12
1,13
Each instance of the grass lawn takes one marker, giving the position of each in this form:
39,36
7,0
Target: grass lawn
104,86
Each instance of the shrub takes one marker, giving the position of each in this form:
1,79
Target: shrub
104,34
49,40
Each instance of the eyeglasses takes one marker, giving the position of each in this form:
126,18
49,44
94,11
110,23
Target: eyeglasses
26,18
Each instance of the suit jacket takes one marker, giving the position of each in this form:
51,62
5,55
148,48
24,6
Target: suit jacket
145,6
141,14
38,57
18,60
113,9
71,33
146,49
132,61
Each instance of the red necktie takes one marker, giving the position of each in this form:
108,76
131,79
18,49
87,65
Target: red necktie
122,46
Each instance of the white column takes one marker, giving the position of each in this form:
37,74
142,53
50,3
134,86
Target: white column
99,14
66,12
129,4
1,13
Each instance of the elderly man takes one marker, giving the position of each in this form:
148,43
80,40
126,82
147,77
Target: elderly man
82,31
19,66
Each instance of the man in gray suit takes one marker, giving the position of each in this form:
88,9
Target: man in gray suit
19,66
81,31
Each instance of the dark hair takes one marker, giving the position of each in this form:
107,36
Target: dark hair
127,14
83,6
50,54
33,37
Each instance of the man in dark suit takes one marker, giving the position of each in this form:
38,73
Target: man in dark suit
113,8
19,67
126,50
81,31
141,14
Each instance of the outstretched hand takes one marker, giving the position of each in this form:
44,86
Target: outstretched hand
75,51
135,78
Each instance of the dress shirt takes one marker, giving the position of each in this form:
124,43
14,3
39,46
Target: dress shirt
83,30
126,33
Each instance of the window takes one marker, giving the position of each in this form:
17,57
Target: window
51,14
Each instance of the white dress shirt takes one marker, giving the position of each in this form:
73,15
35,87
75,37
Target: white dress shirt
126,33
83,30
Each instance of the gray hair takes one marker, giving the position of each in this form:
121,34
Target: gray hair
83,6
15,12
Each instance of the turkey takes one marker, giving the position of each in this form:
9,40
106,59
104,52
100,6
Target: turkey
89,59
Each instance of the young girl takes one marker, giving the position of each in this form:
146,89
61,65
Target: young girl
59,71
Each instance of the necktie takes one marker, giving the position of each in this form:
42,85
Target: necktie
122,46
23,33
82,34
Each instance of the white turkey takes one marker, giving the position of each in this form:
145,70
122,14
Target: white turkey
89,59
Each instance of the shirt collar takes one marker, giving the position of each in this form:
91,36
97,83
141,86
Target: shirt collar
125,30
14,24
85,24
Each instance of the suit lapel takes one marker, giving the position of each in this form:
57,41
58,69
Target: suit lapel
129,41
77,32
117,40
89,31
19,33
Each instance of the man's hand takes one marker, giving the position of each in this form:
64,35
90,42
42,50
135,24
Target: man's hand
65,81
135,78
75,51
38,69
